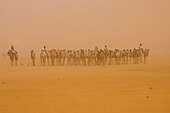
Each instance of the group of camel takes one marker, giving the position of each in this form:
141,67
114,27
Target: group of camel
90,57
85,57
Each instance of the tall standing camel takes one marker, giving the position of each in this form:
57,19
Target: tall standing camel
13,55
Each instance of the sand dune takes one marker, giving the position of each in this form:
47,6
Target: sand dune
131,88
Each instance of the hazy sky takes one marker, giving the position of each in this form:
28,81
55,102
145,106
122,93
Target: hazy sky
74,24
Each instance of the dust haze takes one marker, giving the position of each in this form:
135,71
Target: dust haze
83,24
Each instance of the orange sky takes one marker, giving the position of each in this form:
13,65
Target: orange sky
74,24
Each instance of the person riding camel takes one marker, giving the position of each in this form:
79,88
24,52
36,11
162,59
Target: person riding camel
44,49
106,49
12,49
140,47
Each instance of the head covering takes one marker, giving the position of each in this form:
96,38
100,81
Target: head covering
12,47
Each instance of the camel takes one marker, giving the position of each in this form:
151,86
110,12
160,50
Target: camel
63,55
135,56
33,57
106,56
13,56
78,57
145,54
101,57
123,55
130,55
117,56
96,57
68,57
127,56
74,58
89,57
43,57
111,55
52,56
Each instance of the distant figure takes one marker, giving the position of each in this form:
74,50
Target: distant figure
146,53
44,49
12,49
13,54
106,54
33,57
44,56
105,48
140,47
96,48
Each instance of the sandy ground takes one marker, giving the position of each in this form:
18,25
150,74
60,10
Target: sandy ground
132,88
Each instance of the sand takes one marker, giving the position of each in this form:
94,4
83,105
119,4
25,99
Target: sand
130,88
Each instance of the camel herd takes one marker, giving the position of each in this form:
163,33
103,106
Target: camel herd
83,57
89,57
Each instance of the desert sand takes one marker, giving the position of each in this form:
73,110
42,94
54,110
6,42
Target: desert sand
129,88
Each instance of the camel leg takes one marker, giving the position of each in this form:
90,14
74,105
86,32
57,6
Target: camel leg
33,62
12,61
16,62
